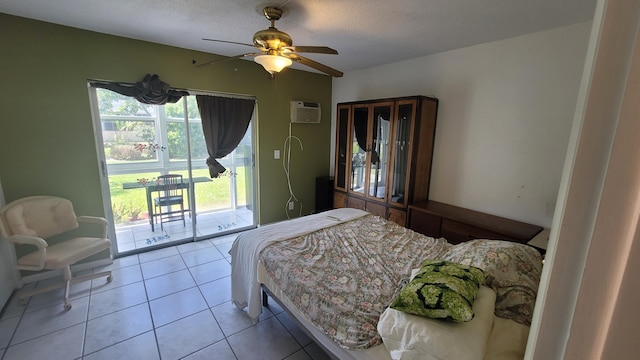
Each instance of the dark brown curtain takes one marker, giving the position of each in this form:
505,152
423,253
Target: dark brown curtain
151,90
224,122
360,122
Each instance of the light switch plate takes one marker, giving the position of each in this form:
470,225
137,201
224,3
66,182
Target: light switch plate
276,154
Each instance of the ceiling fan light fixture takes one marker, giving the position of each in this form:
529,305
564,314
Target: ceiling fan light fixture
273,63
277,51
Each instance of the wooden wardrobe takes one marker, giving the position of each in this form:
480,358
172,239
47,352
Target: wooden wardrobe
383,158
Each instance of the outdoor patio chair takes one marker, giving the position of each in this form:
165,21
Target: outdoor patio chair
170,194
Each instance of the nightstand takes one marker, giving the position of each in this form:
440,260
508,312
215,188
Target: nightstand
541,241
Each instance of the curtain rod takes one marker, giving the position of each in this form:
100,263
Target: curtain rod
191,92
231,95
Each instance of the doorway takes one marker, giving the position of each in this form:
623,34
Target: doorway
139,142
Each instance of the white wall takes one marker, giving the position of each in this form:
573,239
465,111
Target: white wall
505,114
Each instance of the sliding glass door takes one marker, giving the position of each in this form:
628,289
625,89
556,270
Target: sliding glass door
140,142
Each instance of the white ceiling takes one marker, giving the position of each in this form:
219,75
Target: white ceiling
365,32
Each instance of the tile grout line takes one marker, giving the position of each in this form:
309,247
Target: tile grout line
94,292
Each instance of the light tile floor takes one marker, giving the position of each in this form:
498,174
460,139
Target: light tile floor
172,303
135,236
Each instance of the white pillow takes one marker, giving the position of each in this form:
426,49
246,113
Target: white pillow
409,336
508,340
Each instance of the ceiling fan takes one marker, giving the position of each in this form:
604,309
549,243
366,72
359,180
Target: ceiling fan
276,50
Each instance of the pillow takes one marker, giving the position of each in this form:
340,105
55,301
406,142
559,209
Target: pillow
410,337
512,270
441,290
508,340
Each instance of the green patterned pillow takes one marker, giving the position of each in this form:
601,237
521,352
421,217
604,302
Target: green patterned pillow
441,290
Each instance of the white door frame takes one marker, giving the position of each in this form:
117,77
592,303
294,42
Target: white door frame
588,296
9,275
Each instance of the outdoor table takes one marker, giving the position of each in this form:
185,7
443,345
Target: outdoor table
152,186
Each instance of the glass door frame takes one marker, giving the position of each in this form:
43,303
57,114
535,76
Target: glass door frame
382,155
104,173
363,164
397,142
342,176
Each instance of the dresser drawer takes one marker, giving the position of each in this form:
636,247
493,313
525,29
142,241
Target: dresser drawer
458,224
397,216
339,200
456,232
424,223
376,209
356,203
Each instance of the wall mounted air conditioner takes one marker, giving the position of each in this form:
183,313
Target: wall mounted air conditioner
305,112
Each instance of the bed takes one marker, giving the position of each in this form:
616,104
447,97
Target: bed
338,271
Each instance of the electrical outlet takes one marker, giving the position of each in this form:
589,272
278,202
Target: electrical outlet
276,154
290,205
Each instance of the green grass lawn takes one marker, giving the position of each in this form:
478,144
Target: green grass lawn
211,195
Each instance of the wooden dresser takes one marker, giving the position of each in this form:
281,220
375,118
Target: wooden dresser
458,224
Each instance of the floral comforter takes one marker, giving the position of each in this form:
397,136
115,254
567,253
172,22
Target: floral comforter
344,276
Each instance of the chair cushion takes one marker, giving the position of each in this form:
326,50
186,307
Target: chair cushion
67,252
42,216
169,200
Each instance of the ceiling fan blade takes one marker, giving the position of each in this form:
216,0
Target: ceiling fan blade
314,64
230,42
224,59
311,49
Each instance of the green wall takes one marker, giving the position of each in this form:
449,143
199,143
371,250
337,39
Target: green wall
46,132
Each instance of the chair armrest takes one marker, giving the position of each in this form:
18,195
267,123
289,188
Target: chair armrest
95,220
28,240
33,241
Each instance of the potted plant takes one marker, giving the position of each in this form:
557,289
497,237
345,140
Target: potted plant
134,212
